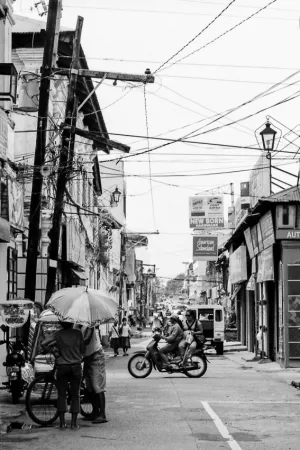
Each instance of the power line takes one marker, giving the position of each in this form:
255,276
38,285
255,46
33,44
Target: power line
195,37
223,34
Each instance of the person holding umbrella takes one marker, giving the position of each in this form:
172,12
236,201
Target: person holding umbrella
94,373
88,308
68,356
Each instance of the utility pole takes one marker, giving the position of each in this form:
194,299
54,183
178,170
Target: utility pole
49,60
121,277
65,161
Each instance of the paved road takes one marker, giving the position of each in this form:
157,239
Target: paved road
229,408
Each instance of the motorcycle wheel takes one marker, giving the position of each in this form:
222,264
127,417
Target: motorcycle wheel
200,369
41,400
134,366
15,391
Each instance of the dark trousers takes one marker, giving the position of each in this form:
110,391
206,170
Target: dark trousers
68,373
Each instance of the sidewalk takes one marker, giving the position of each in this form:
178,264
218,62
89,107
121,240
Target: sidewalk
245,360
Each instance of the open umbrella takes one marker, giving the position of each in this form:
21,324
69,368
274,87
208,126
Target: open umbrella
82,305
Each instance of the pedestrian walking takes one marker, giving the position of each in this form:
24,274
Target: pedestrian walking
69,352
94,373
125,335
114,338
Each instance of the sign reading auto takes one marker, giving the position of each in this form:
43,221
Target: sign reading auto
206,211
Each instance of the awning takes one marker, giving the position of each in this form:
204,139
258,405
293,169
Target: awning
81,275
4,230
236,291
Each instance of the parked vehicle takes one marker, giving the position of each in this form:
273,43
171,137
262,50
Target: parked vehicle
19,372
213,323
140,365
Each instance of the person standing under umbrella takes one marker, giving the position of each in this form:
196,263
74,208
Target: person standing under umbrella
94,373
69,352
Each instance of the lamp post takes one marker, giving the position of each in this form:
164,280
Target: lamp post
268,140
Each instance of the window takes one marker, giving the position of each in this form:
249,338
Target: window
218,315
285,215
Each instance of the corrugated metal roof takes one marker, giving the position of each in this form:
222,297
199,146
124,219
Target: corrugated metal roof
29,25
289,195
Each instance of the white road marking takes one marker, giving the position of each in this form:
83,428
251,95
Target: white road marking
221,427
270,402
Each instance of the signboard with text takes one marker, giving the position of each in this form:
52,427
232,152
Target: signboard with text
206,211
238,265
205,248
267,230
288,234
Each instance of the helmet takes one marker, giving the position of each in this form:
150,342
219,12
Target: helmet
174,317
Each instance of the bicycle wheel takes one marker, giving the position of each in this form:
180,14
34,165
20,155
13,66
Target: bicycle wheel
41,400
86,406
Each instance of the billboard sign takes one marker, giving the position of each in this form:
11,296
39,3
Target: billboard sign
267,230
238,265
205,248
206,211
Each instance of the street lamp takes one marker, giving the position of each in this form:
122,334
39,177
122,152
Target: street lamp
8,82
268,137
115,197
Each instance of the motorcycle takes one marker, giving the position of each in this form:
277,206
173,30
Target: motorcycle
19,372
141,363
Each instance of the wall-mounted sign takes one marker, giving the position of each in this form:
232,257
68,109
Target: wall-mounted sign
267,230
206,211
288,234
15,312
248,239
265,269
254,237
205,248
238,265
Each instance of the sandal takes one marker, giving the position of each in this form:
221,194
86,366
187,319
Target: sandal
75,428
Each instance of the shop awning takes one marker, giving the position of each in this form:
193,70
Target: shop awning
236,291
80,275
4,230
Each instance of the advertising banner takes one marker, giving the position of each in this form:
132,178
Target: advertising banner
15,313
3,135
267,230
16,204
238,265
205,248
206,211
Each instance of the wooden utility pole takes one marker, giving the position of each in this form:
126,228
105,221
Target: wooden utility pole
49,60
65,161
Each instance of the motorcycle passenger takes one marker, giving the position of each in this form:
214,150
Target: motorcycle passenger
175,335
193,326
157,323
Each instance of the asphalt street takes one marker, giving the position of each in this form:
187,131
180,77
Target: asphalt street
231,407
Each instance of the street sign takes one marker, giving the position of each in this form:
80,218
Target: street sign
205,248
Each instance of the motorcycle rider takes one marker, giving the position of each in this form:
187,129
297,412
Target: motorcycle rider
193,326
173,338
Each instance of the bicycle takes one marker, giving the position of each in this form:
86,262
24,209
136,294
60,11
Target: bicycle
41,399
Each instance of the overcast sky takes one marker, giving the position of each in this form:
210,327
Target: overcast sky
132,35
